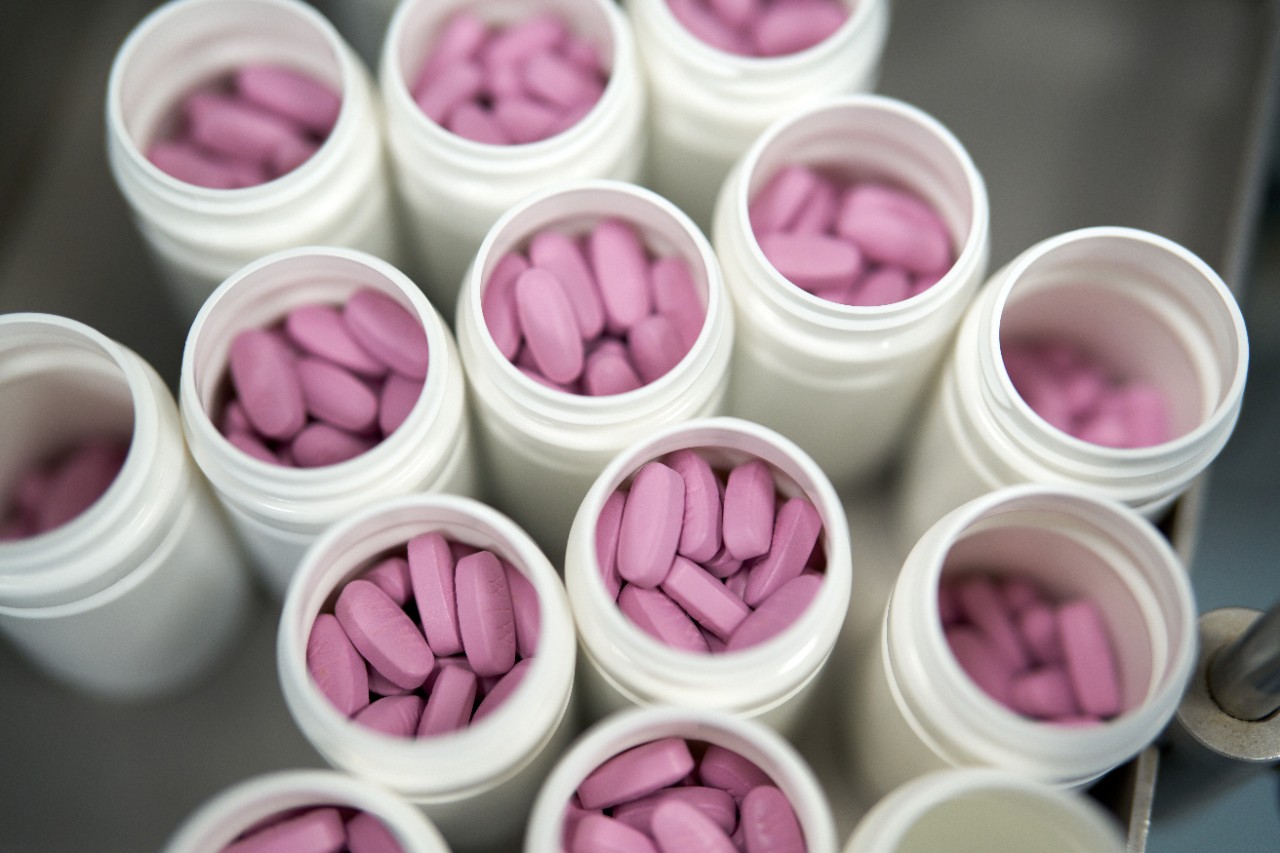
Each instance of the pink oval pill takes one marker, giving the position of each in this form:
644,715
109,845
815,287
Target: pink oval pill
598,833
336,396
500,692
712,802
560,255
704,598
784,28
524,119
320,444
460,40
651,524
525,609
608,371
498,304
292,94
776,613
1038,627
383,634
795,534
891,226
818,216
550,327
557,81
657,615
729,771
367,834
392,577
449,706
679,827
314,831
395,716
700,529
782,199
336,666
472,121
320,331
1090,658
431,572
984,607
249,443
78,482
486,622
882,286
440,95
1043,693
266,383
812,261
389,332
636,772
233,127
621,269
676,297
396,400
707,27
193,164
748,510
519,41
980,661
654,346
769,822
608,526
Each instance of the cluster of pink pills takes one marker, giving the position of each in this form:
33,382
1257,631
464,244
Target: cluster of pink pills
760,27
595,315
852,242
320,829
1079,395
705,564
674,796
1045,660
327,384
427,640
263,122
49,494
513,84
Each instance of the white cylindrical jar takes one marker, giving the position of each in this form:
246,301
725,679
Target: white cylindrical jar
843,381
339,196
543,448
453,189
709,105
984,811
476,784
1137,301
771,682
278,511
756,743
143,591
910,708
243,806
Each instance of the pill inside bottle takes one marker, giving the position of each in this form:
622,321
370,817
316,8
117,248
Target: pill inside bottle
319,827
762,28
51,492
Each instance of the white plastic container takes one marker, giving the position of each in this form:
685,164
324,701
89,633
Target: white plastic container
984,811
909,708
217,822
841,381
452,188
478,784
1134,300
772,682
278,511
340,196
541,448
145,590
710,105
758,744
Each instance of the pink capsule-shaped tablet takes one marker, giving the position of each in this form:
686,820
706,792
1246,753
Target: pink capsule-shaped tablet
525,119
317,830
266,383
525,609
784,28
320,444
550,326
383,634
336,666
608,526
621,269
700,531
818,216
749,510
486,621
235,128
249,443
321,331
704,598
891,226
651,525
335,396
769,823
812,261
636,772
503,689
707,26
391,575
979,660
516,43
396,400
679,827
440,95
882,286
729,771
1090,658
723,564
431,571
782,199
777,612
473,121
1038,627
985,608
737,13
557,81
676,297
396,716
599,833
1043,693
795,533
716,804
560,255
389,332
654,346
366,833
498,303
653,612
608,370
78,482
292,94
195,165
449,706
460,41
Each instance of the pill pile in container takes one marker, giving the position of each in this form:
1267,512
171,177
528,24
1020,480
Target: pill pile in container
852,242
319,829
326,384
260,123
50,493
709,562
513,84
429,639
760,27
1044,659
680,795
596,314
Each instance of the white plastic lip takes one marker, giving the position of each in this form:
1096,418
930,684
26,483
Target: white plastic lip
632,727
973,248
220,819
583,200
643,664
450,767
285,490
241,200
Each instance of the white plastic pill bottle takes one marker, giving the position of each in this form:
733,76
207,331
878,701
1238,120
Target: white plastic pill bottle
984,811
477,784
626,729
909,707
145,590
452,188
1136,301
277,510
340,196
542,448
247,804
709,105
845,382
772,682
